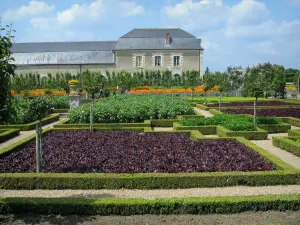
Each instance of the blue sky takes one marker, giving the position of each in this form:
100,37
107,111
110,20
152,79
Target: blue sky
233,32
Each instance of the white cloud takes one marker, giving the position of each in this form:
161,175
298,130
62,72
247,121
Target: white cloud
264,47
99,10
192,15
34,8
265,29
41,23
247,11
79,12
131,8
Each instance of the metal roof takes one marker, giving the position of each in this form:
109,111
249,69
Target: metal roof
62,58
157,33
158,43
63,46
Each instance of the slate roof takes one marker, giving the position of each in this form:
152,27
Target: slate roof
158,43
157,33
63,46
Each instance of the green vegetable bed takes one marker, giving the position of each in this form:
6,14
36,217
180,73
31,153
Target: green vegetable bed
131,109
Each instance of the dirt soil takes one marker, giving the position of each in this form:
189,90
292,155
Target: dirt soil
271,217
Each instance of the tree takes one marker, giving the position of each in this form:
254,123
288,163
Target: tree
209,81
39,106
236,78
7,69
254,83
206,71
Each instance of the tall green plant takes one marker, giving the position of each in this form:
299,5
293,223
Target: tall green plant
7,69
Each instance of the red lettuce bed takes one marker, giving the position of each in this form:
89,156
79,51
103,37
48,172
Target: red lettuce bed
259,103
284,112
130,152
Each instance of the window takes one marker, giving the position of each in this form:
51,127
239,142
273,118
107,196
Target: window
157,60
176,60
138,61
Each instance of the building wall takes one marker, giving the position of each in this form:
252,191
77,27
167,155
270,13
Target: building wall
189,59
125,60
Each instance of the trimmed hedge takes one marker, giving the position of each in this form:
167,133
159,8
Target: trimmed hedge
136,206
6,134
60,110
162,122
30,126
288,143
291,120
259,134
201,106
215,111
206,130
285,175
275,128
294,132
65,124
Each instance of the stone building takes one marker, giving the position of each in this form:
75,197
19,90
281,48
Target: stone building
139,49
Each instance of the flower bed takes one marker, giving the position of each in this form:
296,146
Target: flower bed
130,152
281,112
259,103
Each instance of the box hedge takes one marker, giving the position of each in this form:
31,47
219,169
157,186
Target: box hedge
289,144
259,134
6,134
206,130
137,206
291,120
275,128
30,126
294,132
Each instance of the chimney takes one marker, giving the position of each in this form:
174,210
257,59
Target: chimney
168,38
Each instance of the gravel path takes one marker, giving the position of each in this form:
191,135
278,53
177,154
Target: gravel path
282,154
24,134
157,193
203,112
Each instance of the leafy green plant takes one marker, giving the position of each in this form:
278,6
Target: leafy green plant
123,108
267,120
27,110
231,122
6,70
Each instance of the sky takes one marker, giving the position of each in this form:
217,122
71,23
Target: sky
233,32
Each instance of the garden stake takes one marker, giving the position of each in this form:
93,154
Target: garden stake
254,113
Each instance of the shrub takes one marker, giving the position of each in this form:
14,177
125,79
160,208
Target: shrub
23,109
60,102
126,109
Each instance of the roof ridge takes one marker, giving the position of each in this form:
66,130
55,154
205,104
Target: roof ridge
169,28
43,42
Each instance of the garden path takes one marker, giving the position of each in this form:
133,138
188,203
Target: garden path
157,193
282,154
24,134
203,112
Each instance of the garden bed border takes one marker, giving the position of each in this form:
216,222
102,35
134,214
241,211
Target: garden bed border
138,206
6,134
287,143
30,126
